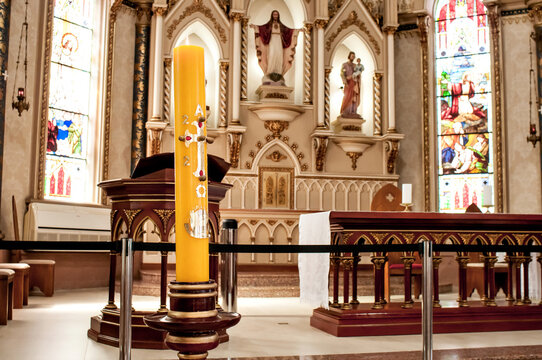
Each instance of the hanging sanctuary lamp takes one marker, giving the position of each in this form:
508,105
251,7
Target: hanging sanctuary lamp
21,104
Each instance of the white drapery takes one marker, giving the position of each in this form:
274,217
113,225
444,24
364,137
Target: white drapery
314,268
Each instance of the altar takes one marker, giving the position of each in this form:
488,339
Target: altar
348,317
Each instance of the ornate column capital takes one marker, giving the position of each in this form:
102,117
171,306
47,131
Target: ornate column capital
237,15
535,13
408,261
378,261
463,261
159,10
320,23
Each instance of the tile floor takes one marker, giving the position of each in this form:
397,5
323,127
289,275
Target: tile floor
55,328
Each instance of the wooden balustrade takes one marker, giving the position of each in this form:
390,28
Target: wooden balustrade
410,228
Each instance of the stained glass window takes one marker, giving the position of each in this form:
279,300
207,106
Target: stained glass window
464,104
67,162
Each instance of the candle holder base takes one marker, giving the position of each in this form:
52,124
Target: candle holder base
408,207
193,321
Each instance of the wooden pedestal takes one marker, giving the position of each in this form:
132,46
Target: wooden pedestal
361,320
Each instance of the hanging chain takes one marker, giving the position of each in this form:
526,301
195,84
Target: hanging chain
24,29
531,79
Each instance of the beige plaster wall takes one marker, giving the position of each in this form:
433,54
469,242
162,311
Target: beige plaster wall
122,96
20,138
408,112
522,164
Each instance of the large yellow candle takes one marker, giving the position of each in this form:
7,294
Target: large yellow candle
191,207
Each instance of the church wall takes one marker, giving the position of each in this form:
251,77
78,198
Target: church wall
122,96
522,160
408,90
21,138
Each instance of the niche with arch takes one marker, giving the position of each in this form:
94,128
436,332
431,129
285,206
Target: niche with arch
353,42
293,15
197,33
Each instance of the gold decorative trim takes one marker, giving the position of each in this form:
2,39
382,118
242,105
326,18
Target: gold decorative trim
207,286
193,296
276,127
276,156
197,6
167,89
494,25
424,44
352,20
285,139
354,156
164,215
108,85
130,215
192,340
307,71
392,150
320,147
234,144
244,58
327,93
192,314
261,171
223,93
45,99
320,23
192,356
377,102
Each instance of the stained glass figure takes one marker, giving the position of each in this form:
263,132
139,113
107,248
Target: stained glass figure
464,102
66,162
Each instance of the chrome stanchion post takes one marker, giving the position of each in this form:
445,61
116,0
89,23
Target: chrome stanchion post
228,271
427,304
125,326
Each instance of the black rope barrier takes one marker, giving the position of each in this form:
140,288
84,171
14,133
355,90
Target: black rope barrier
277,249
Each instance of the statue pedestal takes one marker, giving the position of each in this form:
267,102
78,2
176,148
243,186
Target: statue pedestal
271,111
348,125
354,146
274,93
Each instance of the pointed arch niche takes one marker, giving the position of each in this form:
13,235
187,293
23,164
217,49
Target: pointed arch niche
197,33
293,15
353,42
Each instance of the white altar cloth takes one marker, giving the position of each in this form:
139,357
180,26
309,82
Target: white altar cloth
314,229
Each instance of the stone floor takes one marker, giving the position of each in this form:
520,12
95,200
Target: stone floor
271,328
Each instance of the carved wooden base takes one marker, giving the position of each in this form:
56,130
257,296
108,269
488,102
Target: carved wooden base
193,322
104,329
361,320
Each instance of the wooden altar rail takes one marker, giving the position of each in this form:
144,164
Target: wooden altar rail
411,228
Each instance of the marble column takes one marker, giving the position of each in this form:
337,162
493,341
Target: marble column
5,7
320,24
236,17
155,126
140,93
390,26
390,84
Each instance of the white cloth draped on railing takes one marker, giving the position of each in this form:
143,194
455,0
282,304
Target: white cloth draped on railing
314,268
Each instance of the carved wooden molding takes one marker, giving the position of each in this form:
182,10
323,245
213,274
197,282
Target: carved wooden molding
353,19
377,102
197,6
392,151
234,144
320,146
423,25
276,127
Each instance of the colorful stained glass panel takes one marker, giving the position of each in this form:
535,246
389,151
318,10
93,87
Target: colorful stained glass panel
65,178
76,11
456,193
465,154
70,89
71,45
463,103
66,133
